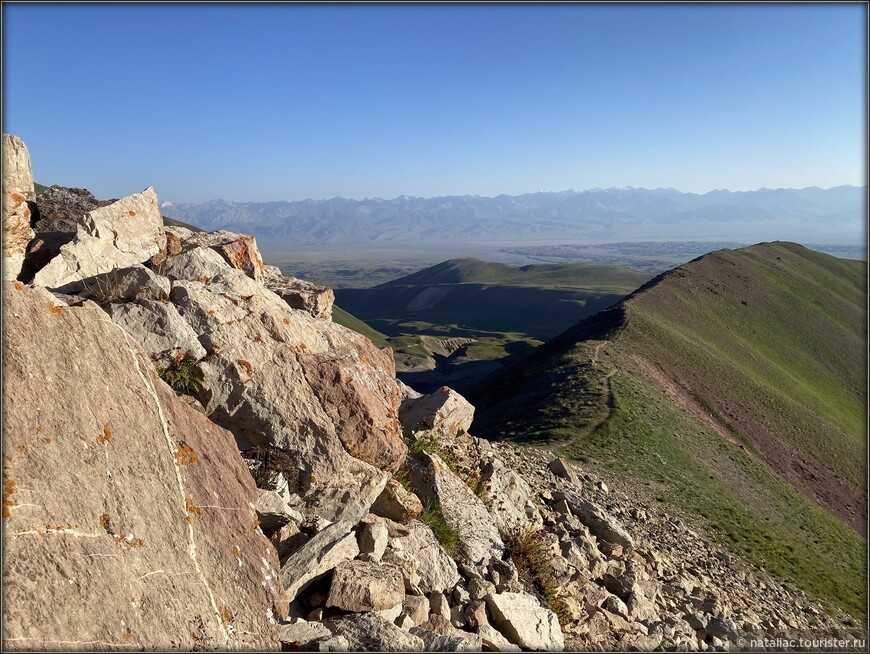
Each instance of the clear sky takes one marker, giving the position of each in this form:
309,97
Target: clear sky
289,101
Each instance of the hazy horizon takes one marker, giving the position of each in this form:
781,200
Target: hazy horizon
295,101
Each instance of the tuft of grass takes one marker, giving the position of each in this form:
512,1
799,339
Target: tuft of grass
433,517
433,447
526,547
478,487
181,374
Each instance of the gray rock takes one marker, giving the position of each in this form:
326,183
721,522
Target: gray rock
118,235
441,414
133,283
722,628
17,193
438,605
417,608
159,329
562,468
370,632
424,563
451,636
524,622
600,523
512,500
366,586
196,264
326,550
479,540
274,512
300,294
373,537
311,637
494,641
397,504
238,250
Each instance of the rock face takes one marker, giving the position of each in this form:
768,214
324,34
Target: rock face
17,193
159,329
120,234
238,251
300,294
145,534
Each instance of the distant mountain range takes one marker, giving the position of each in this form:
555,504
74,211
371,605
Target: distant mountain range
825,215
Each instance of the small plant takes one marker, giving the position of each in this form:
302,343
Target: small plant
478,486
265,466
103,289
434,448
433,517
527,548
403,476
180,374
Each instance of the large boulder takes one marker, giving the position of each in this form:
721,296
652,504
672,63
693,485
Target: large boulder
479,540
18,195
365,586
129,521
124,233
397,503
300,294
441,414
239,251
524,622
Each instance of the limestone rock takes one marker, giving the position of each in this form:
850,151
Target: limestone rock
311,637
442,414
512,499
95,550
424,563
479,540
397,504
524,622
373,538
440,635
133,283
562,468
274,512
300,294
18,195
239,251
370,632
600,523
159,329
326,550
196,264
120,234
494,641
416,607
366,586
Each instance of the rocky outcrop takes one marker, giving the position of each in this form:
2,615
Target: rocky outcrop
98,554
442,414
238,250
159,330
18,197
120,234
479,541
360,586
300,294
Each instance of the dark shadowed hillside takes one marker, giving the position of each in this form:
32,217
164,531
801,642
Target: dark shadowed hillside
736,385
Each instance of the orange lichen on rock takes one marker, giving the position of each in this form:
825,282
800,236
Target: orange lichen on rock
19,286
286,321
247,366
132,213
191,507
48,441
106,436
185,456
8,502
18,198
56,310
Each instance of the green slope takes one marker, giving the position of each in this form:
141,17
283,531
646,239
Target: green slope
537,301
343,318
735,387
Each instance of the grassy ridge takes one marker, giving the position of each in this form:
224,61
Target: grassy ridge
538,301
764,348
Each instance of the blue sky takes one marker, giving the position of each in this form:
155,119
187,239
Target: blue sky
284,101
